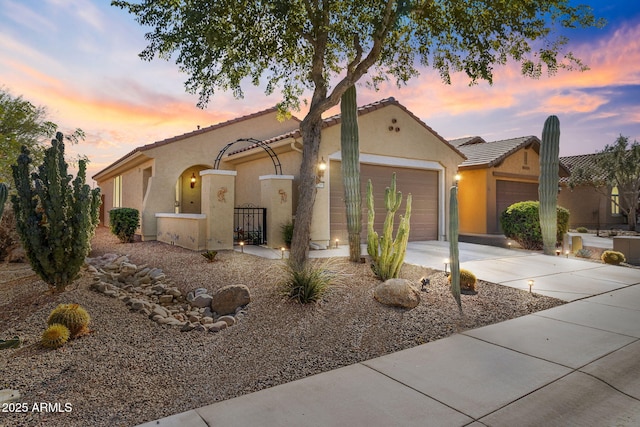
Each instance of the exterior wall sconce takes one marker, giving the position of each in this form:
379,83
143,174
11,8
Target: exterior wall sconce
322,166
530,283
193,180
456,179
446,267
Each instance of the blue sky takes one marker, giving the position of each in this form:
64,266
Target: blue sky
79,58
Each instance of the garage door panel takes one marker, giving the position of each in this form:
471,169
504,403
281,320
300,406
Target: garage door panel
422,184
510,192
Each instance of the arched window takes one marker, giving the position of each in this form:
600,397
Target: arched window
615,200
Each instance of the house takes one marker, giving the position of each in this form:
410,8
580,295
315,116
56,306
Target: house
237,180
589,207
494,176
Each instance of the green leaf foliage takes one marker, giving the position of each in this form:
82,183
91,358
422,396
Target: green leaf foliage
124,222
56,215
521,222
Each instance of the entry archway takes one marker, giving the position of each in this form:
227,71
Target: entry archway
254,143
188,198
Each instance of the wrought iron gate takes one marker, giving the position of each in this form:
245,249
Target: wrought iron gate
250,225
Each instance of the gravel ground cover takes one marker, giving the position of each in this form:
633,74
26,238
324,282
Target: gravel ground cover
130,370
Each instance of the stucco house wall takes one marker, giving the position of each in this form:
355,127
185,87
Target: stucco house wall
589,209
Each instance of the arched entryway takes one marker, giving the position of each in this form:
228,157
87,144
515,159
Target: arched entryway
187,191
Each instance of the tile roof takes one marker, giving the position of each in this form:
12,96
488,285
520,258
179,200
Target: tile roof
190,134
481,153
582,161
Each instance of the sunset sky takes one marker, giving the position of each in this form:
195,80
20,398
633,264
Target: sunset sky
79,59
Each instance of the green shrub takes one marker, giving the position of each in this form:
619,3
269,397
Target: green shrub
583,253
124,222
309,283
582,230
287,233
210,255
468,281
612,257
520,222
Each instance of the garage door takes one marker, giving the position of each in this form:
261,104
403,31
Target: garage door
422,184
510,192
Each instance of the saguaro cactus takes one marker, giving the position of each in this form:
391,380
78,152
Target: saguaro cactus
387,254
548,183
55,216
453,245
3,197
349,147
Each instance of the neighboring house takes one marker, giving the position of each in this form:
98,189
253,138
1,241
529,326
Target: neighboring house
494,176
589,207
198,190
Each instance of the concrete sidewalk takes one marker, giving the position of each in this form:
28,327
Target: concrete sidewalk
575,364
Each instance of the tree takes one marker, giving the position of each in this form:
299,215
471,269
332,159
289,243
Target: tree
55,215
326,46
24,124
617,165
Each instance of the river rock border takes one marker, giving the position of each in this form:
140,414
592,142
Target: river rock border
150,292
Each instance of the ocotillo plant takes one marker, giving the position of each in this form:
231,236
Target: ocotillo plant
548,183
349,147
387,254
3,197
453,245
55,216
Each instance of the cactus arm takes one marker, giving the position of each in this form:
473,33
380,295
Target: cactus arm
453,246
548,183
372,236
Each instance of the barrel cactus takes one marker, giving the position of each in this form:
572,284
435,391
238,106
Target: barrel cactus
3,197
548,183
73,316
612,257
56,335
453,246
387,254
468,281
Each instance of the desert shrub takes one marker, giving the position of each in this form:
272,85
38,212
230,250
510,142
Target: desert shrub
583,253
468,281
612,257
287,233
210,255
56,335
582,230
521,222
73,316
124,222
309,283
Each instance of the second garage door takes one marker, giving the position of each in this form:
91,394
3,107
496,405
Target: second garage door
422,184
510,192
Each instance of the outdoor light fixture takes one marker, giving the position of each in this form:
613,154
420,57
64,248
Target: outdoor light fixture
530,283
193,180
456,178
425,282
337,243
509,244
557,252
566,253
242,247
282,252
446,267
322,166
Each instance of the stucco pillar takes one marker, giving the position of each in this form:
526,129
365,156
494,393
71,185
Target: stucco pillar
218,201
275,195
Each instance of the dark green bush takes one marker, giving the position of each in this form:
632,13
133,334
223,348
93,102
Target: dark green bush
521,222
124,222
582,230
287,233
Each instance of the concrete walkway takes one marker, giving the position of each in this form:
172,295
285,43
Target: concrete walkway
575,364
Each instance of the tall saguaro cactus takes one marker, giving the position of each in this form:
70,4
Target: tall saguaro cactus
387,254
548,183
454,253
55,216
4,191
350,150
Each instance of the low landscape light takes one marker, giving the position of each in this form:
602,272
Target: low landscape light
557,252
282,252
337,243
242,247
530,283
566,253
446,266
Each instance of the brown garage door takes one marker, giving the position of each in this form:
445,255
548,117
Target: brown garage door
510,192
422,184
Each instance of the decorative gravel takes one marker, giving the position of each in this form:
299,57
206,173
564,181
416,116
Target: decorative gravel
130,370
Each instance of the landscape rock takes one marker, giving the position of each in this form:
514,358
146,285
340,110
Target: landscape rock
218,326
201,301
227,299
397,293
229,320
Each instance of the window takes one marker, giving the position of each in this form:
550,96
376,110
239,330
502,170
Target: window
526,157
615,200
117,191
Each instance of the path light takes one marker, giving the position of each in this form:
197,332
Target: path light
530,283
509,244
566,253
425,282
446,267
242,247
282,252
337,243
557,252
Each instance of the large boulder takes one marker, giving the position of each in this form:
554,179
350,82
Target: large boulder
397,293
227,299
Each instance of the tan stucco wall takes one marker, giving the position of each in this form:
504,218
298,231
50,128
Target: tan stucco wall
588,208
473,191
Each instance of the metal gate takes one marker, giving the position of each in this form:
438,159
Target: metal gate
250,225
